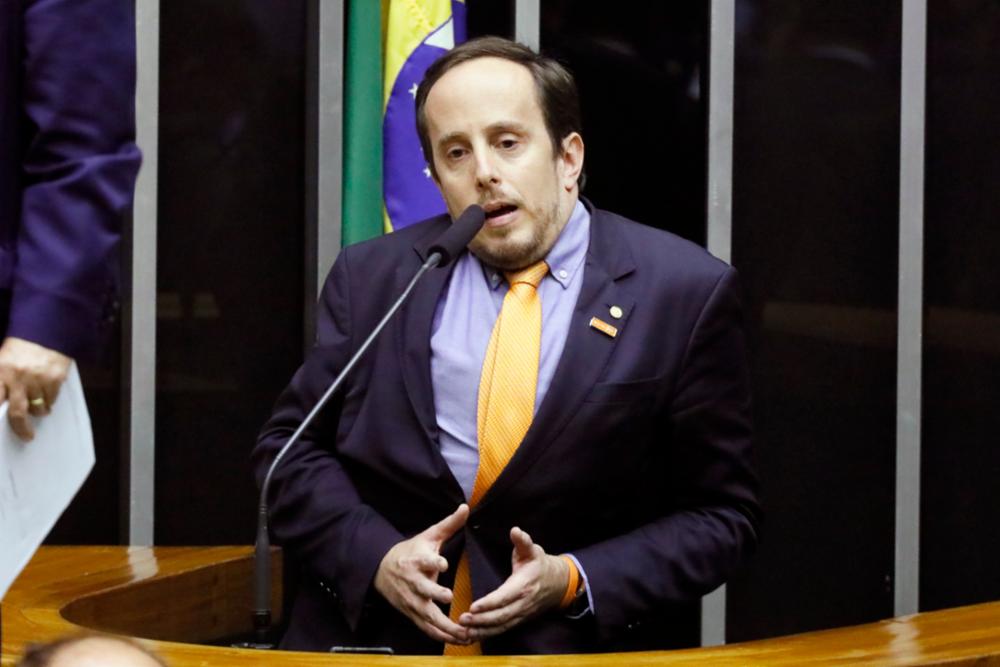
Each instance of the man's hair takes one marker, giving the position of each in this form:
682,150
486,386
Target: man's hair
554,86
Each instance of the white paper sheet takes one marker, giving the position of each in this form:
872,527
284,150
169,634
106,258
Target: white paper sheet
38,479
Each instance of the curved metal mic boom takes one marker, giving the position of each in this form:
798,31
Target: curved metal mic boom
448,246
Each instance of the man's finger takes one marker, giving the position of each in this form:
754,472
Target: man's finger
496,617
434,617
50,392
17,412
38,404
449,525
22,427
508,592
430,563
430,590
522,543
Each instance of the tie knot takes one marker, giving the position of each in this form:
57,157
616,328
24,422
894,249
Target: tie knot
531,275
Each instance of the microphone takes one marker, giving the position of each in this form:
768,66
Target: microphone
453,241
447,247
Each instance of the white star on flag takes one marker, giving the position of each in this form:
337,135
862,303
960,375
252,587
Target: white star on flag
427,172
413,91
444,36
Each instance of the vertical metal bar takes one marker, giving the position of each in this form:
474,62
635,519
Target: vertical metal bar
527,23
324,148
331,128
331,141
138,460
720,128
721,64
311,173
911,296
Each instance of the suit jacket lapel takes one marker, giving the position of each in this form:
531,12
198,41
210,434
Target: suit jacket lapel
413,345
587,350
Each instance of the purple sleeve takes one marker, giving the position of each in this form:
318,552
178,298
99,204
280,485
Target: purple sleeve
79,169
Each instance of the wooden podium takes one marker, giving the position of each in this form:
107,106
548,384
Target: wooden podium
172,598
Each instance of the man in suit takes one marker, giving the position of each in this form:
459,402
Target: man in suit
67,168
548,450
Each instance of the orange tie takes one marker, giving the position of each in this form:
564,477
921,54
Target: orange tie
506,404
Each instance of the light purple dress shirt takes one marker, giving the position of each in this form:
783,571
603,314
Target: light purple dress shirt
463,323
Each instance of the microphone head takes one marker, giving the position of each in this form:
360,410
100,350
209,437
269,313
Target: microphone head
451,244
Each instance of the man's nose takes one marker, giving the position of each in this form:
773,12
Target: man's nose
486,172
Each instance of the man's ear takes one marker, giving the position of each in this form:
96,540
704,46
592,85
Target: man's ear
571,160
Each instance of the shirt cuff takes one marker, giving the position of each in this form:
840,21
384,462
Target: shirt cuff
586,584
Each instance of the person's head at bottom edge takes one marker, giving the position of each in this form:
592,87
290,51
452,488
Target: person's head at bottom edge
89,651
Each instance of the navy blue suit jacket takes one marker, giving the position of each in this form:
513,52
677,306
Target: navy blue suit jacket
637,462
67,166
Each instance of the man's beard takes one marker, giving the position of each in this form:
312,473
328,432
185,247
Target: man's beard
508,255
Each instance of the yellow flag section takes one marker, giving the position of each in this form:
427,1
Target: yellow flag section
408,23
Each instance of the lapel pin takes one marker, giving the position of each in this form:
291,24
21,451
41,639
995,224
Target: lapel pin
603,327
616,312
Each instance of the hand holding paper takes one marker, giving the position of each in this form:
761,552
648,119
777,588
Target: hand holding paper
39,479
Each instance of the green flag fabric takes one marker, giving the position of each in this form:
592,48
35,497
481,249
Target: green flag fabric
362,200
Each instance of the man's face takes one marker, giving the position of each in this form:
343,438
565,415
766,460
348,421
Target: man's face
491,147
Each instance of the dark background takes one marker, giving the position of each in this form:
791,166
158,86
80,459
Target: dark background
815,238
960,539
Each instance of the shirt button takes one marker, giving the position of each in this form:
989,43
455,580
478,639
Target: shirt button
563,273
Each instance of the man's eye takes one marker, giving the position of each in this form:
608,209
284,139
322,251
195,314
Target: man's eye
508,144
455,153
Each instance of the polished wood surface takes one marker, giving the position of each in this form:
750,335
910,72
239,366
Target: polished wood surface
169,595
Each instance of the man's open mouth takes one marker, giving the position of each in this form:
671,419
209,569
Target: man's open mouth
499,211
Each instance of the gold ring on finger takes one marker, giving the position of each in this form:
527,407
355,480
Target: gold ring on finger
37,402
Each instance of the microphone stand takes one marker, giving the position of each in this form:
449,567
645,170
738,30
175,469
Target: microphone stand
449,245
262,549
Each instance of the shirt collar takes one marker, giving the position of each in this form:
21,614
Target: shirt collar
567,254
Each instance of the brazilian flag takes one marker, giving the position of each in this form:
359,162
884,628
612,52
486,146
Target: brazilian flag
387,183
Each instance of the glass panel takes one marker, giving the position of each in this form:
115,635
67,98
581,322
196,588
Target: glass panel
490,18
93,516
960,543
640,74
815,237
230,265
